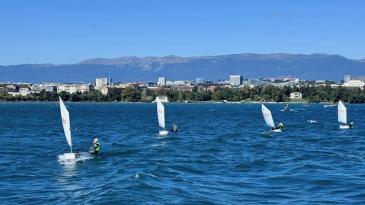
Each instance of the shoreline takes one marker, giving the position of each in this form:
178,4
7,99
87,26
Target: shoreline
190,102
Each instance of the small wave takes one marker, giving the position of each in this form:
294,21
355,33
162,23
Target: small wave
312,121
141,174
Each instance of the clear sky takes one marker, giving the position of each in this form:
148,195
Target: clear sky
68,31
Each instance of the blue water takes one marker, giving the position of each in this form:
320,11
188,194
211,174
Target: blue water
219,157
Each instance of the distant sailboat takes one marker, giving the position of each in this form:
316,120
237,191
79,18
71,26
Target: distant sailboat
67,130
161,118
342,116
266,113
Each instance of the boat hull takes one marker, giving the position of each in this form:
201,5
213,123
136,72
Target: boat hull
277,130
344,127
163,133
67,156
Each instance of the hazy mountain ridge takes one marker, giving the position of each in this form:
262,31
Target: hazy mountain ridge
249,65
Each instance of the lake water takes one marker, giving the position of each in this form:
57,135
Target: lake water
219,157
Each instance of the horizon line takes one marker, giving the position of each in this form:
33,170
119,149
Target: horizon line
180,56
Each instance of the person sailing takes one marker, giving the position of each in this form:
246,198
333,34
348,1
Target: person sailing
280,126
174,128
351,125
95,147
77,154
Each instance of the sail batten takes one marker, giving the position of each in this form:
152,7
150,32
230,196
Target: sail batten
342,113
161,114
266,113
65,116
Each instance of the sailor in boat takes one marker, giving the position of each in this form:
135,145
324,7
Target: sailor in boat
95,147
280,126
174,128
77,154
351,125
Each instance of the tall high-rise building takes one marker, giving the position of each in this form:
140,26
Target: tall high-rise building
346,78
101,82
161,81
235,80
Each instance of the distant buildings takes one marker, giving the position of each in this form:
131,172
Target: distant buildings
354,81
296,96
46,87
24,91
179,83
16,89
73,88
354,84
347,78
102,84
161,81
235,80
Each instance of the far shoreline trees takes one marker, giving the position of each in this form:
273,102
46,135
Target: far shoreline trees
198,94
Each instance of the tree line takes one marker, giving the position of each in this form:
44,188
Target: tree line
259,93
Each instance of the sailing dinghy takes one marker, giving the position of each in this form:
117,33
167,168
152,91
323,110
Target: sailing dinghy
161,118
266,113
67,130
342,116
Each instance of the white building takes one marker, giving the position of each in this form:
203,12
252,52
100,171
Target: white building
296,95
46,87
354,84
101,82
179,83
347,78
235,80
161,81
163,99
73,88
104,90
24,91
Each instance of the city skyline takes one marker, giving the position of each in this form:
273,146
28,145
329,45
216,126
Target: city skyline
72,31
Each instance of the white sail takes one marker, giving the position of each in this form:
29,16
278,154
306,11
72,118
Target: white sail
66,123
342,113
266,113
161,114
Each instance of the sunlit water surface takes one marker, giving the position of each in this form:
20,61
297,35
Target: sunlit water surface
218,157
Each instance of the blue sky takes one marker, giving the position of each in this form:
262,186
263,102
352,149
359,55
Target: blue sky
68,31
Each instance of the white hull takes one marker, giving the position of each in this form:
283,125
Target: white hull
344,127
277,130
163,133
67,157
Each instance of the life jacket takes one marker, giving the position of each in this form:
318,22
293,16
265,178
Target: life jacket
96,147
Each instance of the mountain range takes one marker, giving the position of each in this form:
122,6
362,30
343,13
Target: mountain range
126,69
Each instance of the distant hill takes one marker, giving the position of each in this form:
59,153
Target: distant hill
313,66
